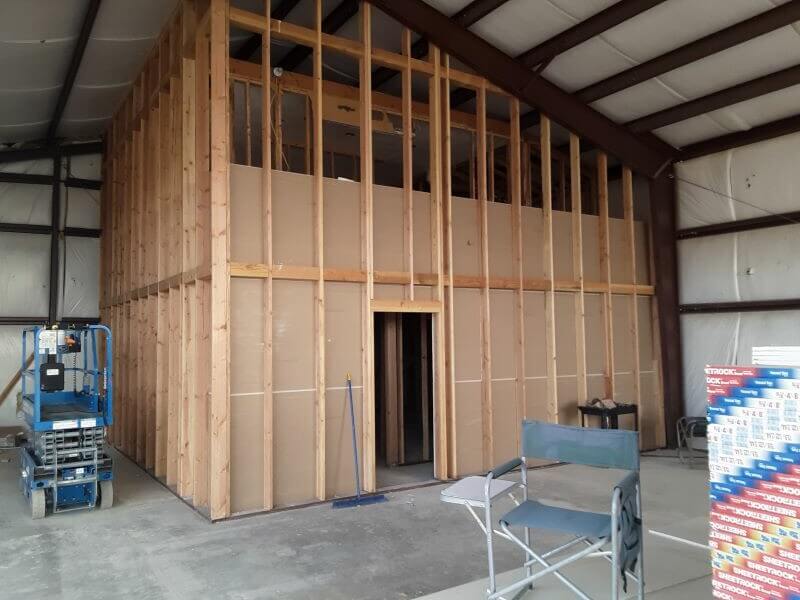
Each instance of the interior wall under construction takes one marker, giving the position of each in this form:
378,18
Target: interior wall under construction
242,296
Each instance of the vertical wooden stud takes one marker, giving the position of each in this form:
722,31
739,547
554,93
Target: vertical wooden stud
319,248
278,128
435,176
515,181
266,208
408,164
188,259
449,306
219,490
486,335
630,228
577,263
605,268
549,295
367,329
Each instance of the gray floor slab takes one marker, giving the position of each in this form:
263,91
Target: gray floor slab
152,546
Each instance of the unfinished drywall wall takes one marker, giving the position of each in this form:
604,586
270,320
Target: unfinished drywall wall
293,328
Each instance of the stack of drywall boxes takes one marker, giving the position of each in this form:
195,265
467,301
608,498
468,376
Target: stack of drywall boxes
754,463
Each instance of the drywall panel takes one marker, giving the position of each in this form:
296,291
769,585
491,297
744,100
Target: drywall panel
423,292
535,346
389,291
469,427
619,244
342,223
247,452
595,386
292,219
500,240
536,398
623,339
567,386
503,333
566,355
247,336
648,412
342,333
247,234
293,433
422,233
293,335
467,334
562,245
644,306
505,421
339,474
388,228
590,226
532,243
623,387
595,329
466,237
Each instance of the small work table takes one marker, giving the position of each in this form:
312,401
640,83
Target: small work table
609,417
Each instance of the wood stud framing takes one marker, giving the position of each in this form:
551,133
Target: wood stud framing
168,268
627,203
319,245
605,267
367,333
266,212
577,265
483,232
547,256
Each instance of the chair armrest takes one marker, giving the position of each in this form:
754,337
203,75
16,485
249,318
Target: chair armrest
501,470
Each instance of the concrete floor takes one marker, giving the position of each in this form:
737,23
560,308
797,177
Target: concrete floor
388,477
152,546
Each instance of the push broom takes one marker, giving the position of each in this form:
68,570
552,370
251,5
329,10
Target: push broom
359,500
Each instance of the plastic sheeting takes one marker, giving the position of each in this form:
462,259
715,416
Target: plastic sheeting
24,274
79,278
25,258
760,264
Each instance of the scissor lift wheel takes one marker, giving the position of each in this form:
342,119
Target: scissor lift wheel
106,494
38,504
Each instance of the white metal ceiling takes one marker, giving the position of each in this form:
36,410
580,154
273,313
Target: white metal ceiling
37,39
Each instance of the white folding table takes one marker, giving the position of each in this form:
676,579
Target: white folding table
470,492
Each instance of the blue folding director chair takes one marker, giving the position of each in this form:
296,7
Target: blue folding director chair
616,536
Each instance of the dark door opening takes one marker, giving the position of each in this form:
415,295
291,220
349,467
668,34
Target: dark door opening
403,398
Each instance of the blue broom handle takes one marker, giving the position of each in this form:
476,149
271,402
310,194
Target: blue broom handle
353,429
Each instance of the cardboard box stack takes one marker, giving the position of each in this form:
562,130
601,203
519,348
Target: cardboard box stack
754,464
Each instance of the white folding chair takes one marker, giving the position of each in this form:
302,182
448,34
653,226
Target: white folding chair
616,536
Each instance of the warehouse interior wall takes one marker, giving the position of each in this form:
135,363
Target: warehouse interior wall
751,181
25,257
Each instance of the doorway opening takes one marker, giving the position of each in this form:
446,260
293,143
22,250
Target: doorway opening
403,399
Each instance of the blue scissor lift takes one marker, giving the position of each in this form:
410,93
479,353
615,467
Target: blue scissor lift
66,403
